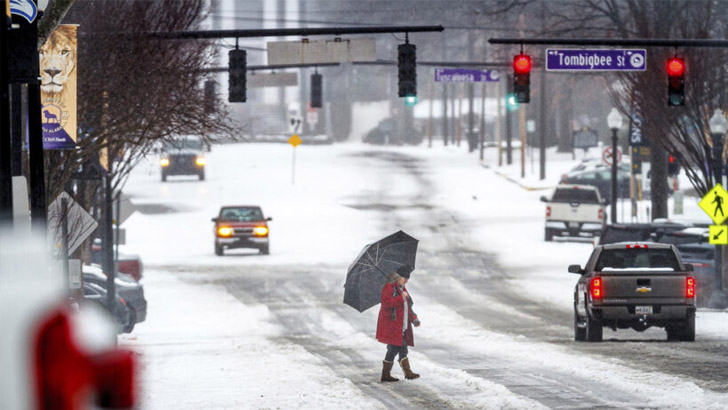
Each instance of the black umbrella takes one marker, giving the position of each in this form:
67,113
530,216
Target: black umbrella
371,269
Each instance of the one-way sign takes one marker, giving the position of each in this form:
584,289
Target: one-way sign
572,59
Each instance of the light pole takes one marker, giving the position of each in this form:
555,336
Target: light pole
718,125
614,121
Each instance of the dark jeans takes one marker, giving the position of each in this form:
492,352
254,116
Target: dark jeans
393,350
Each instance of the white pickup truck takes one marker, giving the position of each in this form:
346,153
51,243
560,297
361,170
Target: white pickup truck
574,210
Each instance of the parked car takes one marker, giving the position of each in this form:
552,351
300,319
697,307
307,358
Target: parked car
126,287
601,178
694,248
128,263
183,156
97,295
637,232
241,226
634,285
574,210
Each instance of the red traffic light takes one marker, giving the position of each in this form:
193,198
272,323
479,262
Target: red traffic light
672,159
522,64
675,67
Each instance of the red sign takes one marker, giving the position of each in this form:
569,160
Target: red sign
607,156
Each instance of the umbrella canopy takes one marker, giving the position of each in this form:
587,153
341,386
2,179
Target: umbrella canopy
368,273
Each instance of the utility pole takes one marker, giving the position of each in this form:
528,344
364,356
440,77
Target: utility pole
6,184
522,126
509,129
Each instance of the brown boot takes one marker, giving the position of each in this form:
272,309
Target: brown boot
408,373
386,369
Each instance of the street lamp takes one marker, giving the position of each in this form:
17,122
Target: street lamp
614,121
718,125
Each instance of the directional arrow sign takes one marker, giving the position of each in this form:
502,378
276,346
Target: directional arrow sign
571,59
715,204
718,235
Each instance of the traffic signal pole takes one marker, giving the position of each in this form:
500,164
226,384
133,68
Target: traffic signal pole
6,188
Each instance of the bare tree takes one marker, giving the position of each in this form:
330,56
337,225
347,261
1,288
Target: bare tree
134,92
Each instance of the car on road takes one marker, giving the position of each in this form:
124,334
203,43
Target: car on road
574,210
637,232
634,285
694,247
241,226
183,156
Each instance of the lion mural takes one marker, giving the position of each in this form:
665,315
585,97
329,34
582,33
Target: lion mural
58,62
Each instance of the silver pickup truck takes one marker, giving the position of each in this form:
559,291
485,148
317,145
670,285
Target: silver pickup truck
634,285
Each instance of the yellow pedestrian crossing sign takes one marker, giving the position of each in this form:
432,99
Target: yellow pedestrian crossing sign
718,235
715,204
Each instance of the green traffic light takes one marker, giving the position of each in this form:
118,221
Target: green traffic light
410,100
511,102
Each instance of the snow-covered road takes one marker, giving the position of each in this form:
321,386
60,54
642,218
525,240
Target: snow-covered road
251,331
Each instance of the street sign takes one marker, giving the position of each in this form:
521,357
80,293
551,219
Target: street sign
295,140
713,204
80,223
585,138
635,131
465,75
323,51
640,153
607,156
571,59
126,209
261,80
718,234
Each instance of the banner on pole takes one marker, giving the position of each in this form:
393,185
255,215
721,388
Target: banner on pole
58,88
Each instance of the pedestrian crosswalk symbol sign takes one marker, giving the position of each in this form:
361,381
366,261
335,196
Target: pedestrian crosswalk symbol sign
715,204
718,235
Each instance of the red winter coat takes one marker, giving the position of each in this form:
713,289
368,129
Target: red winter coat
389,331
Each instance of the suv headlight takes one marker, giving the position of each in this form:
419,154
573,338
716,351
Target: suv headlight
164,162
200,161
260,231
224,231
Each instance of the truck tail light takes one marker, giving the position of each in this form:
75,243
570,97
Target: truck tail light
690,287
224,231
600,215
548,211
260,231
596,288
637,246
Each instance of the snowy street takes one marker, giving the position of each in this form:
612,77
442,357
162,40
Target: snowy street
254,331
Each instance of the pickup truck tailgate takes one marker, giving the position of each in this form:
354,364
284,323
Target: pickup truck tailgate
643,285
575,211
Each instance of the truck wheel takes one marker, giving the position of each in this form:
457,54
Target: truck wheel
164,177
265,250
579,333
202,176
593,330
672,333
218,250
687,333
548,235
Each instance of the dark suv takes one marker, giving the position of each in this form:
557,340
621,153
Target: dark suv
183,156
241,226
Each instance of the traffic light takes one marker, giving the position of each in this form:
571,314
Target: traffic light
407,64
511,102
316,90
237,72
522,78
673,167
210,96
675,81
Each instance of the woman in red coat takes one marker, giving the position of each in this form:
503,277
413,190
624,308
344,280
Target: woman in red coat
394,327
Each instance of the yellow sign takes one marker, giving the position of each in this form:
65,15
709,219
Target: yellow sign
715,204
7,8
718,235
295,140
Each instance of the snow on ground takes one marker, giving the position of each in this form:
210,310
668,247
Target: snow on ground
193,347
